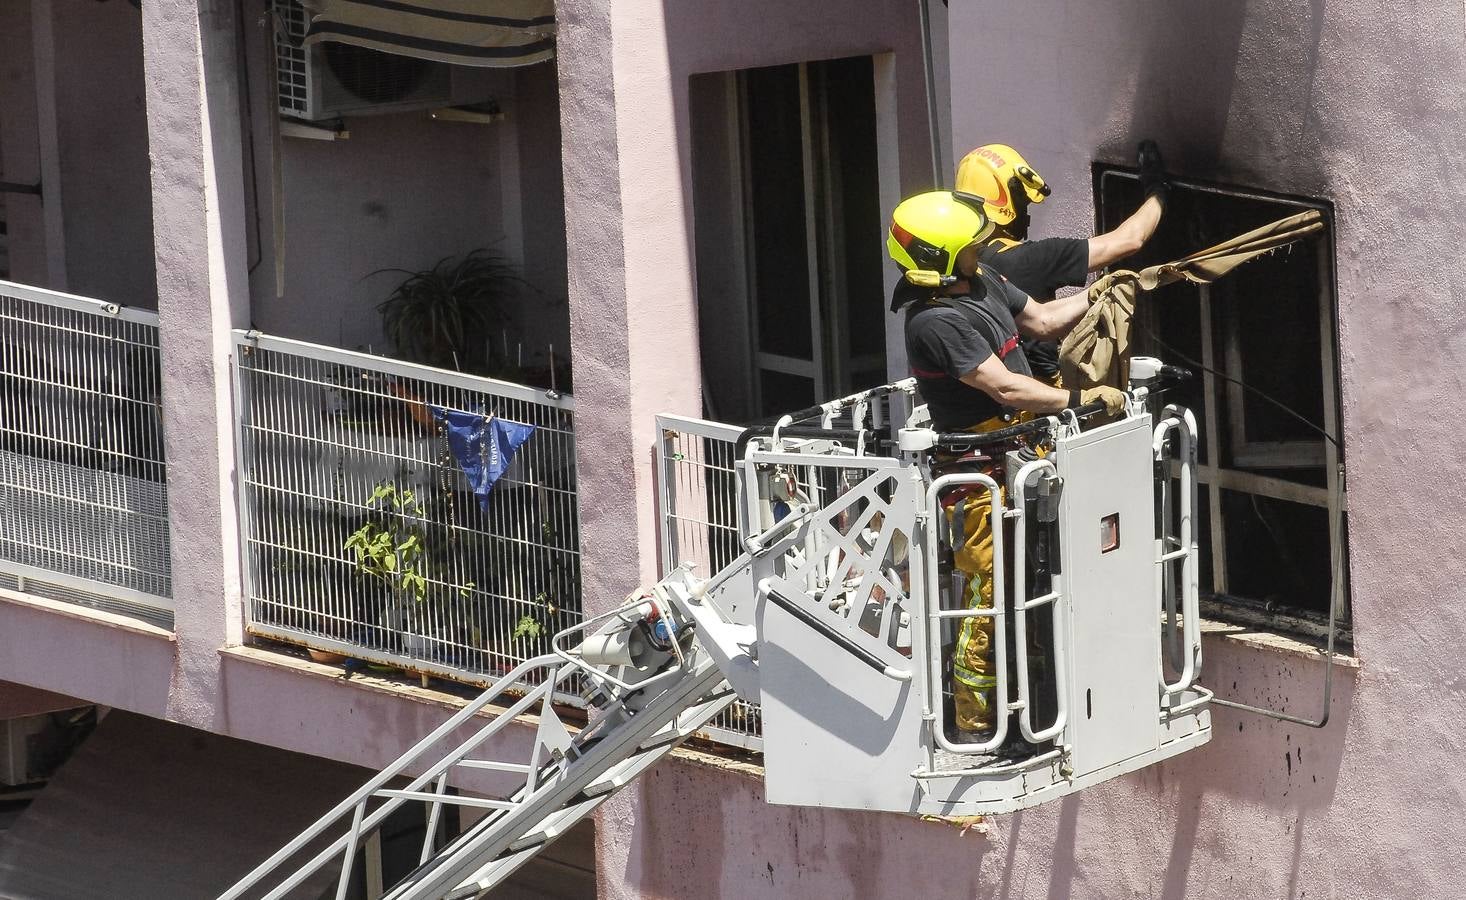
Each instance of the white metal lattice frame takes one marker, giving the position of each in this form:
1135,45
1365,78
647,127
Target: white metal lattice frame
562,778
847,564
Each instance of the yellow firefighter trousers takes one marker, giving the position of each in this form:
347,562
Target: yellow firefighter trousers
974,678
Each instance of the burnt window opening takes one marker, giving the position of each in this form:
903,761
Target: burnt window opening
1266,531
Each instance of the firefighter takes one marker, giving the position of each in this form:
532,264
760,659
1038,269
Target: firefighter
1008,185
963,322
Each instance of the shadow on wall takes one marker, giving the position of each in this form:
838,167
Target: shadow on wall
1253,769
1228,90
701,832
1257,792
1280,772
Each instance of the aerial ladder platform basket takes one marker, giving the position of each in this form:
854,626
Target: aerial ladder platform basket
838,618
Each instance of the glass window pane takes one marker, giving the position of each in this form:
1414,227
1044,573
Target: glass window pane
1277,552
776,195
784,393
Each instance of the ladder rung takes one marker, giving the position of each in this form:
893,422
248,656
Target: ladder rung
454,799
617,778
486,875
494,765
606,785
559,822
662,739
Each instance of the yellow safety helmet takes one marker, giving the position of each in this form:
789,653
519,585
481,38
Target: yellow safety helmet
929,230
1006,183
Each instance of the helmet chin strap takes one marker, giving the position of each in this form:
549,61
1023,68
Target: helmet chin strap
926,278
1018,228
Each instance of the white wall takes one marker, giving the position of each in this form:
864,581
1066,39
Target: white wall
404,191
73,118
102,134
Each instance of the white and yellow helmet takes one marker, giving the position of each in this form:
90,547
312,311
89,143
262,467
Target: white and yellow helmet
1006,183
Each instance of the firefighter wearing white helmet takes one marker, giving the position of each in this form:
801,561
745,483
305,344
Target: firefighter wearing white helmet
963,322
1008,186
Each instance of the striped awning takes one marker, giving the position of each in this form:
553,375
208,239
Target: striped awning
466,32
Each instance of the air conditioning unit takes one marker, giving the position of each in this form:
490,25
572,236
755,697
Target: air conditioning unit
31,747
330,80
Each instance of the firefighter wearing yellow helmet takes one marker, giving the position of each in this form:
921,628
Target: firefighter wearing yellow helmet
963,322
1008,186
1006,183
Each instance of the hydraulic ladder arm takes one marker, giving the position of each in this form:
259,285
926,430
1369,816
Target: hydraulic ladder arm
834,619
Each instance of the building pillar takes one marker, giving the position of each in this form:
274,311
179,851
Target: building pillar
632,310
633,320
193,103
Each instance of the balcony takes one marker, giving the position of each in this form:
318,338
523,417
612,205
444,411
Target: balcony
83,491
367,530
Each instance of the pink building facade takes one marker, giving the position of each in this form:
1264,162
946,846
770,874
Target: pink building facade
597,188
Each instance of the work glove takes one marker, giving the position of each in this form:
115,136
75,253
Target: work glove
1112,398
1152,171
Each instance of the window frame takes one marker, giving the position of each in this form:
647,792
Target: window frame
1212,476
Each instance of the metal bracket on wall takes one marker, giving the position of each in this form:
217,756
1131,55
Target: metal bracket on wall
15,187
1327,654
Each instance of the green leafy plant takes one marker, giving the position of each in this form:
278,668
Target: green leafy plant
528,627
531,625
444,316
389,546
392,547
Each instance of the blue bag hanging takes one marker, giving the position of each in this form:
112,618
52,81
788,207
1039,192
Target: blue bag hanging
483,445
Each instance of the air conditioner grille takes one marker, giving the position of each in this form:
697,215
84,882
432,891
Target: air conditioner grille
375,77
292,61
333,79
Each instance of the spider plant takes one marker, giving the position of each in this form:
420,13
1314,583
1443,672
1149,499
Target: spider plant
443,316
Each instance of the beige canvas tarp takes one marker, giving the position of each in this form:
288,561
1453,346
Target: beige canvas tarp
463,32
1097,351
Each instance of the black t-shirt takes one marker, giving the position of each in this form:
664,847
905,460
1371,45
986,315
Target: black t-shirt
1039,268
948,337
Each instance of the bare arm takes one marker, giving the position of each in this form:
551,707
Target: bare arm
1128,237
1052,320
1014,390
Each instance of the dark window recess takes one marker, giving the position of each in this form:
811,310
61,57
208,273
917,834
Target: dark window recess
791,276
776,186
399,842
783,392
854,198
1264,528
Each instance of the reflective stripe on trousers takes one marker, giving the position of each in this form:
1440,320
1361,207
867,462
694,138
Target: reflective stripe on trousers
974,680
974,676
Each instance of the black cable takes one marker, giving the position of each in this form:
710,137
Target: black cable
1239,382
241,60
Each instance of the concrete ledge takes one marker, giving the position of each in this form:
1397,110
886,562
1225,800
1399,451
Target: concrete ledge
364,681
96,656
1249,636
85,614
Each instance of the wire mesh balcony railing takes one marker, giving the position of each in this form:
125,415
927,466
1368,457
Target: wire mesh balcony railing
83,488
700,521
366,527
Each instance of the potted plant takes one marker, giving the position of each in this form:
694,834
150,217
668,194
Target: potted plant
391,548
446,315
534,627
